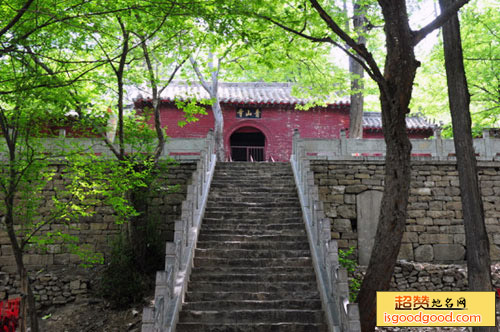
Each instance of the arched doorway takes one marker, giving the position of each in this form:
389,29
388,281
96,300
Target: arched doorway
247,144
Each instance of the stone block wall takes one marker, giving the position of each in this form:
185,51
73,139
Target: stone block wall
412,276
434,228
95,233
56,287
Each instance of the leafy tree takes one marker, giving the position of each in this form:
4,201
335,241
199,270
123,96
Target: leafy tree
44,55
478,249
322,24
357,73
480,30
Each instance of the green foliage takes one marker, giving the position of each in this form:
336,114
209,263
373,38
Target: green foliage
350,265
123,282
480,33
94,180
191,109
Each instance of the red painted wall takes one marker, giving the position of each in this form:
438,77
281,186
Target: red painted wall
277,124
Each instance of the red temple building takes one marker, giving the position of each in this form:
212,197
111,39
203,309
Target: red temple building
260,118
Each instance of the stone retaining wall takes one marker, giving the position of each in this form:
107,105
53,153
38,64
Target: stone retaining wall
49,288
413,276
434,230
95,233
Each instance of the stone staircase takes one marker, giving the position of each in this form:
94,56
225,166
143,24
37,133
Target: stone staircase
252,267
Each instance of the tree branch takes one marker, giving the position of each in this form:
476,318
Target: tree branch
199,74
326,40
419,35
374,71
119,76
111,147
16,18
172,75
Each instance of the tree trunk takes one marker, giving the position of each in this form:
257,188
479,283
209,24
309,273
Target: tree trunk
395,94
478,255
219,130
357,73
137,226
212,90
28,307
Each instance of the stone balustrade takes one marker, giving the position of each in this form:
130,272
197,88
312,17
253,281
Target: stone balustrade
182,149
332,278
486,148
171,284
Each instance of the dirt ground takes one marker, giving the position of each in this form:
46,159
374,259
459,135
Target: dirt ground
91,315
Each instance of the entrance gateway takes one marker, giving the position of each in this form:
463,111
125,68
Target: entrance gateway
248,144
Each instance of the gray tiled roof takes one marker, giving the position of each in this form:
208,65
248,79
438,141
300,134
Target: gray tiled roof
237,93
267,93
373,120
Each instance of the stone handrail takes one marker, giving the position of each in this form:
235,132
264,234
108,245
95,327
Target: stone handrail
171,284
177,148
487,148
332,279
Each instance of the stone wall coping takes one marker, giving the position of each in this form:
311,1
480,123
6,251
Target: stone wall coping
486,148
414,162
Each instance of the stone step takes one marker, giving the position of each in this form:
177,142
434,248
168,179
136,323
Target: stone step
254,172
242,253
256,197
262,190
255,262
258,222
216,213
252,316
250,238
252,180
197,296
254,232
253,208
253,165
254,205
267,278
253,287
249,174
249,210
255,327
245,192
253,270
253,183
235,226
257,245
264,184
251,192
254,304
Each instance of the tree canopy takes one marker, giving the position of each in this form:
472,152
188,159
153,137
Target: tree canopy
79,57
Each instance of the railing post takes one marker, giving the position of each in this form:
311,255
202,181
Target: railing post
439,143
179,236
148,319
343,143
342,283
326,236
487,144
353,317
332,261
295,139
171,259
187,206
320,216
